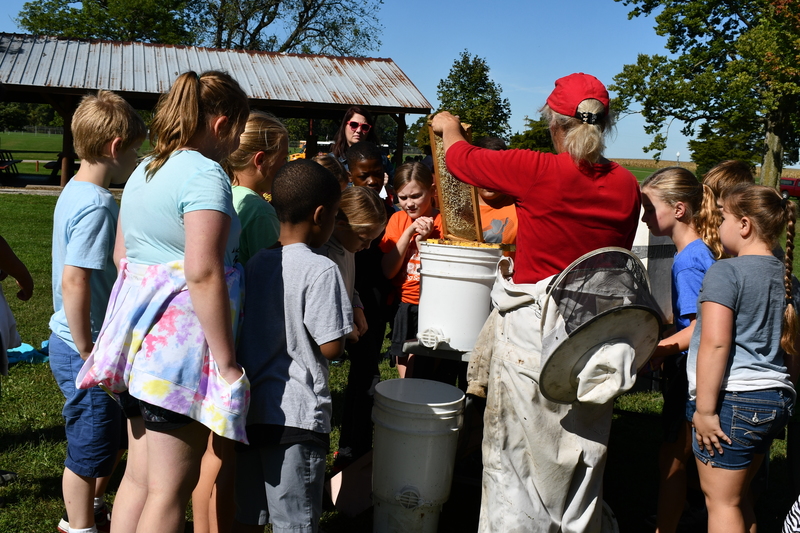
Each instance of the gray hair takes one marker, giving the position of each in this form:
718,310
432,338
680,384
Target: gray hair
582,140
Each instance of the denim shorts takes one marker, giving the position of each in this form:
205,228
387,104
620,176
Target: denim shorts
752,420
93,420
281,484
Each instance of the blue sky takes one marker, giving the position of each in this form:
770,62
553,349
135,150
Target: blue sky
527,44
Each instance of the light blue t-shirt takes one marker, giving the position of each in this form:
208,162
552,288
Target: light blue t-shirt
152,211
84,230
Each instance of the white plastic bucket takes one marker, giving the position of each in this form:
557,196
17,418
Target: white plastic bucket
455,293
416,434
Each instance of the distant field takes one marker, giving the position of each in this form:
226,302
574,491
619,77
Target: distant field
641,168
40,144
36,147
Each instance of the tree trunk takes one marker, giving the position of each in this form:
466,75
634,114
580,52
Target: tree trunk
773,155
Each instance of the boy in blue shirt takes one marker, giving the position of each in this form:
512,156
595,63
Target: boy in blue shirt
296,315
107,134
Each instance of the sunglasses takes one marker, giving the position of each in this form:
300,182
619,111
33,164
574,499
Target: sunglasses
355,126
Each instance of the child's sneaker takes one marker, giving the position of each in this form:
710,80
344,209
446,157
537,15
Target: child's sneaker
102,520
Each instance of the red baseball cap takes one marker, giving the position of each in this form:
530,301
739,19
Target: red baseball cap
571,90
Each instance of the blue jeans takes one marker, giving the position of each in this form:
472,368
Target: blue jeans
93,421
752,420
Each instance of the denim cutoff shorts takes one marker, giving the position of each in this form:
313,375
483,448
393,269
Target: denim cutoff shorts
752,420
93,421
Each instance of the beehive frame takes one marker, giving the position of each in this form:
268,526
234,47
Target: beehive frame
457,201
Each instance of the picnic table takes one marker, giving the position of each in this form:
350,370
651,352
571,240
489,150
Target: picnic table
55,166
8,165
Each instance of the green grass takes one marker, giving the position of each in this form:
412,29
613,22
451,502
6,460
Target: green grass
32,436
37,146
641,173
42,145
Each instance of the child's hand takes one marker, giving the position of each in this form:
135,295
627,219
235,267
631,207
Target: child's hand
230,373
423,226
353,335
360,321
24,292
709,433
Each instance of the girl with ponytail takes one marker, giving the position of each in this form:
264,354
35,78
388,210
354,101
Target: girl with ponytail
678,206
742,352
168,336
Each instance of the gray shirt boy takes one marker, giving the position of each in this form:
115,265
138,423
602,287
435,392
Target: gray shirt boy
295,301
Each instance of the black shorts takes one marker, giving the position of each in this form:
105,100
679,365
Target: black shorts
404,327
162,420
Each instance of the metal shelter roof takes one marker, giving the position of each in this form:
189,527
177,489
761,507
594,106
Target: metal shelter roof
37,69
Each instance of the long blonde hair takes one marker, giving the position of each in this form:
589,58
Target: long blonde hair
676,184
769,214
262,133
185,109
583,141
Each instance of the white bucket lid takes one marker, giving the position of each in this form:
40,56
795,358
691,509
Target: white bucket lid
419,395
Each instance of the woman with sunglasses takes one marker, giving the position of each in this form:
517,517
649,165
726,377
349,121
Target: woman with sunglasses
358,125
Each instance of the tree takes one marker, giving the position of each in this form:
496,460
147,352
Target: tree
535,137
13,116
733,62
386,128
341,27
720,142
159,21
470,93
345,27
417,134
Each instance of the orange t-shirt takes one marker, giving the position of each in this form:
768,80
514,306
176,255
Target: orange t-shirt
499,225
407,280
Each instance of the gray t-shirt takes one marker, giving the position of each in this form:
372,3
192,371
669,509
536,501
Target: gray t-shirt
752,286
295,301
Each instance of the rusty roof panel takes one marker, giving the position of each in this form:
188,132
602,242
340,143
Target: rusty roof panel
32,61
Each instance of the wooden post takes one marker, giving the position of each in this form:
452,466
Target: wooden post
311,141
401,136
68,161
65,106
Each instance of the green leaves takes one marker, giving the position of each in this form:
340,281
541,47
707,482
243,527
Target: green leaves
342,27
734,70
535,137
162,21
470,93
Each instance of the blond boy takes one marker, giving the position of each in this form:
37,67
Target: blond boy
107,134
